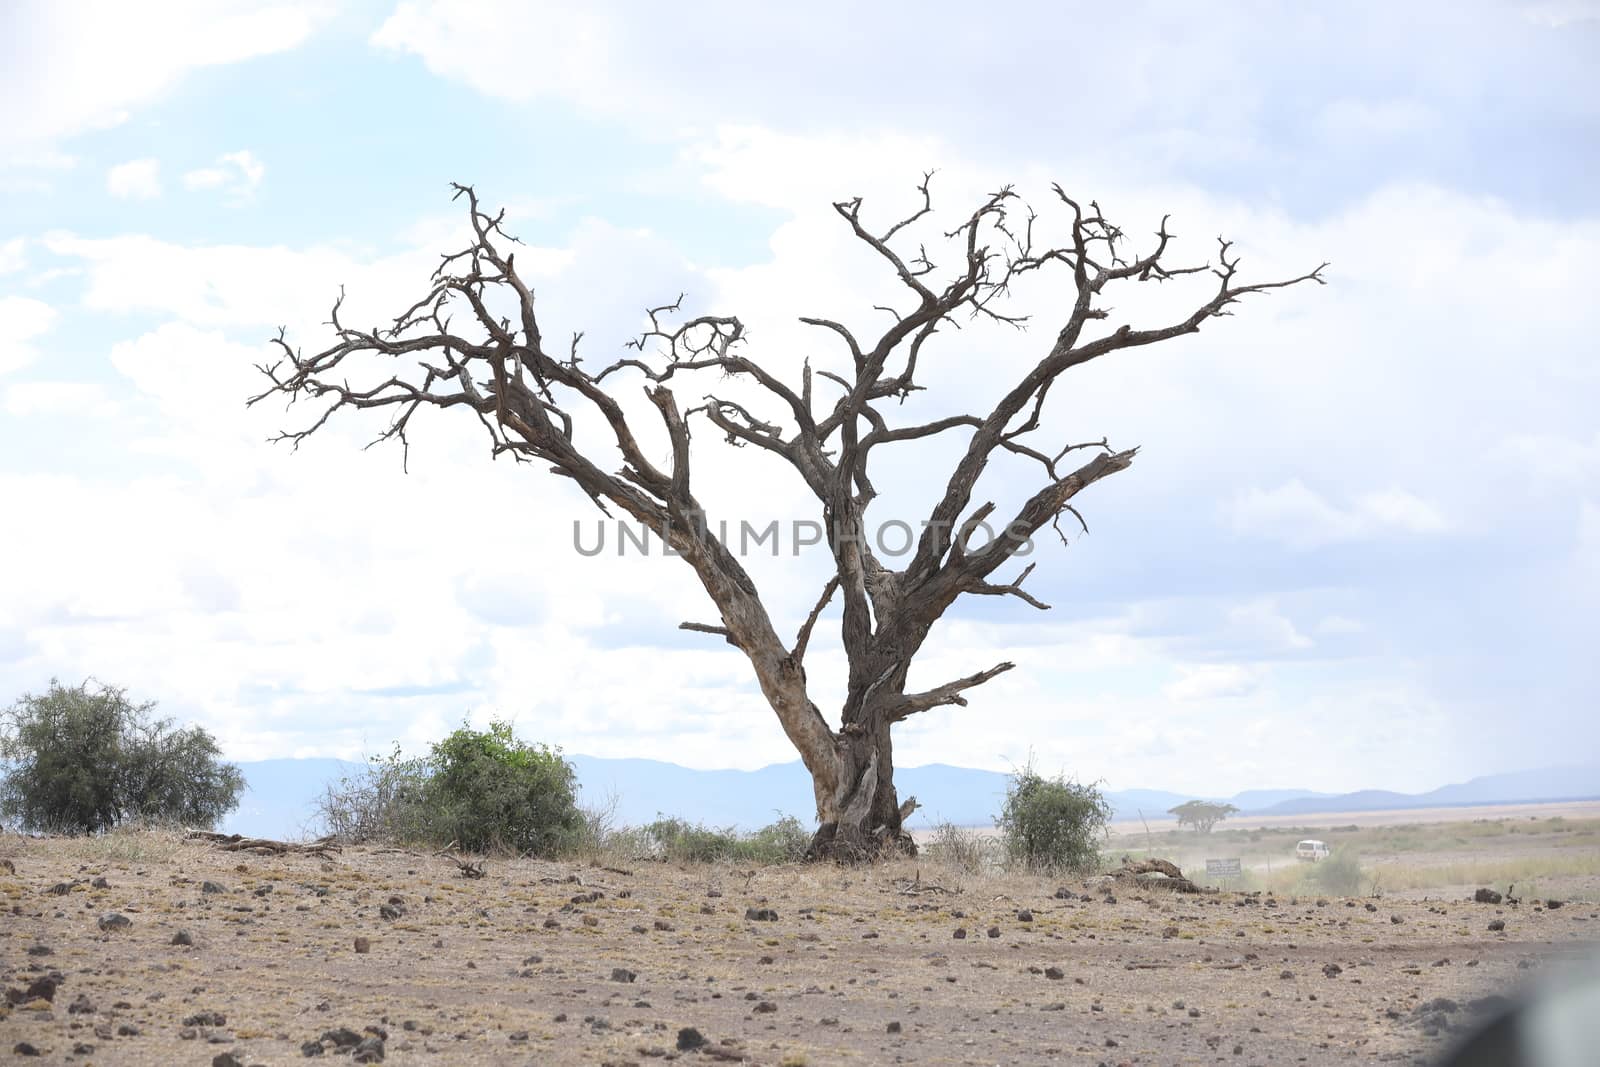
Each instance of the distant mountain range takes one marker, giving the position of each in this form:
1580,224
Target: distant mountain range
281,797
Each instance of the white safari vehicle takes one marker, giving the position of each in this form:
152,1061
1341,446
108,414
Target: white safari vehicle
1312,850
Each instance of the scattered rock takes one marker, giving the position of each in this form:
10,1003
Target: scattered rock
341,1037
363,945
1497,925
114,921
370,1050
622,974
226,1059
993,931
1486,896
959,933
206,1018
766,1007
212,887
43,988
1024,916
22,1048
760,915
1055,974
690,1039
893,1027
100,883
183,937
1332,970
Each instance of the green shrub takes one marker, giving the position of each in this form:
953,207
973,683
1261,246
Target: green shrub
1339,875
481,790
82,760
1052,824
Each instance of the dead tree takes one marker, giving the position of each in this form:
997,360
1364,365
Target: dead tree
528,396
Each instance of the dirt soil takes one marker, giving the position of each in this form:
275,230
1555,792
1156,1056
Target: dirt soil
540,963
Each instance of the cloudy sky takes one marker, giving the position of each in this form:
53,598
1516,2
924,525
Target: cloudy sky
1360,546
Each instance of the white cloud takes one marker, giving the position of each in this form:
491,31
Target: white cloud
1301,518
237,173
11,256
76,399
1260,621
86,66
22,319
137,179
1212,682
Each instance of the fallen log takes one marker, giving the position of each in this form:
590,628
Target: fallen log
1157,874
322,847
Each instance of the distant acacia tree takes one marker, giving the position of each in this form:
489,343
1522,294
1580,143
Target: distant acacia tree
82,759
1201,814
472,341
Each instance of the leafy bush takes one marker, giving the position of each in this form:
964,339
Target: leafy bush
1052,824
84,760
1340,874
482,790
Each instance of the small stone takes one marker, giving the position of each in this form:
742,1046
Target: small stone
128,1030
369,1051
100,883
1332,970
40,950
22,1048
959,933
1054,973
1497,925
42,988
363,945
763,915
113,921
993,931
226,1059
312,1048
212,887
766,1007
1024,916
81,1005
893,1027
622,974
690,1039
1396,920
184,938
342,1037
206,1018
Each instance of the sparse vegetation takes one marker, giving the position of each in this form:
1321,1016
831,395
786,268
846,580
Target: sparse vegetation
85,759
1339,874
680,841
963,849
1051,823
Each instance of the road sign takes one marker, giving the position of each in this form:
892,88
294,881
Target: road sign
1222,868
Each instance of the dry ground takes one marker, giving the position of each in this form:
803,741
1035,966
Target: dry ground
540,963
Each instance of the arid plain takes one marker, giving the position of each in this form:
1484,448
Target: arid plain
148,948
